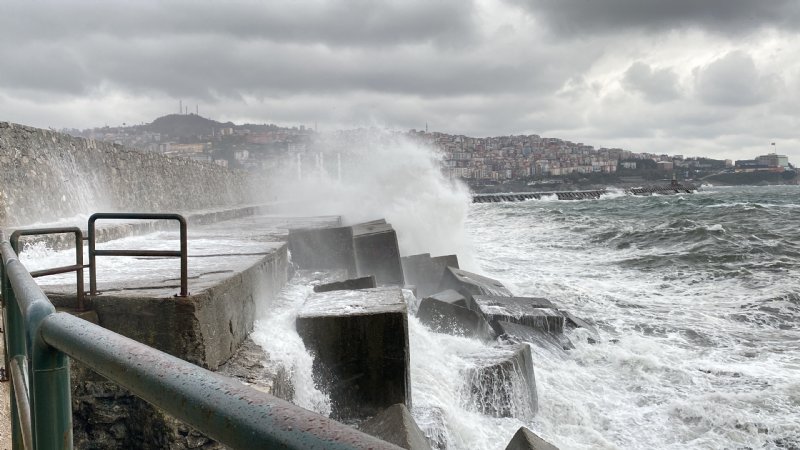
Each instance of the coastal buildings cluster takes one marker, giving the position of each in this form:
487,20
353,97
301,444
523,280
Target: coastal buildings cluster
489,160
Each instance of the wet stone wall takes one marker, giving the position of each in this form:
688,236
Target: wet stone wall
45,176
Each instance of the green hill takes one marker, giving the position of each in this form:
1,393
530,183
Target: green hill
185,125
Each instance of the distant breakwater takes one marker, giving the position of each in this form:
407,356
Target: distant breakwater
671,189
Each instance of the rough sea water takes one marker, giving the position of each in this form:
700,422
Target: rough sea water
697,298
697,301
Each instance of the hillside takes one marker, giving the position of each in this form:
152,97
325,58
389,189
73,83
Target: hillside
184,125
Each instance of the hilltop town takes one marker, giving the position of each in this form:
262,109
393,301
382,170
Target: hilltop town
524,162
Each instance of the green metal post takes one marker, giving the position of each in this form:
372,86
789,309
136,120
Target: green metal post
51,398
48,369
14,336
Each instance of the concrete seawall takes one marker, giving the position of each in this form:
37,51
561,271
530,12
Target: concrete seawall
50,175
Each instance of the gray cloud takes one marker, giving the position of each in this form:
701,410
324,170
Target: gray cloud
656,85
477,68
335,22
578,17
734,80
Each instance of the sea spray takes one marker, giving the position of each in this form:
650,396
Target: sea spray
383,175
443,405
274,330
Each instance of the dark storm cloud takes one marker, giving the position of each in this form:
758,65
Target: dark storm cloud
209,66
571,17
656,85
205,51
335,22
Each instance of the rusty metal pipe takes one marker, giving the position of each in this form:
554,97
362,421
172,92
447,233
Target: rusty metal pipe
57,270
183,254
159,253
77,268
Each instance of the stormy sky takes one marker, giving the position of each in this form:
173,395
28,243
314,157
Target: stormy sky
717,78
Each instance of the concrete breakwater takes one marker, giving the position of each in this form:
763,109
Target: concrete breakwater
357,330
356,326
671,189
359,334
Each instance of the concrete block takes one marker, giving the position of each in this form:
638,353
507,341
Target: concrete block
377,253
359,340
517,333
537,313
469,284
503,384
355,283
323,249
396,425
426,272
453,297
447,312
525,439
445,261
573,322
204,328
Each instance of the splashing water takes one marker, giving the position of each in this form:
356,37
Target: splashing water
389,176
274,330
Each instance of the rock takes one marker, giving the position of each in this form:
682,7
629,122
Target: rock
377,253
470,284
517,333
447,312
538,313
359,340
323,248
355,283
503,384
396,425
526,439
426,272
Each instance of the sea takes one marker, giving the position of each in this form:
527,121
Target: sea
696,299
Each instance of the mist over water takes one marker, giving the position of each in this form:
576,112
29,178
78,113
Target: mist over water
384,175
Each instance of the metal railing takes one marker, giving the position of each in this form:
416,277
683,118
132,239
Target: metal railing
182,254
77,267
40,341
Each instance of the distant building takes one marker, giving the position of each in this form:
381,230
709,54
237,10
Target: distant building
774,160
764,163
665,165
750,165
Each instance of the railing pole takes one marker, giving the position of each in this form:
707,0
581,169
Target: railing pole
183,253
184,258
14,336
79,273
18,367
48,369
51,396
92,257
